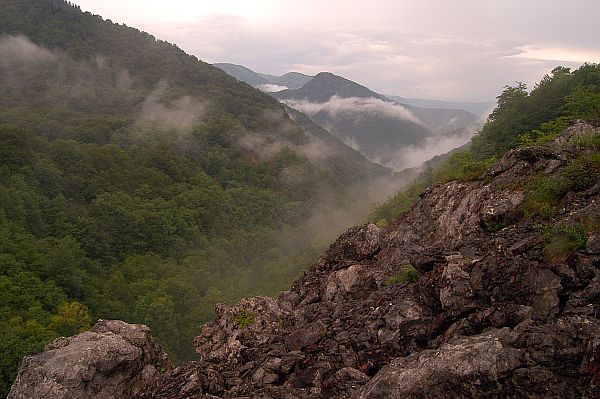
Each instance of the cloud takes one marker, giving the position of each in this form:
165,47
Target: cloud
271,88
181,113
468,51
414,156
338,106
19,50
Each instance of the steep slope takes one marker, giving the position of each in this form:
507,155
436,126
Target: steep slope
137,182
469,292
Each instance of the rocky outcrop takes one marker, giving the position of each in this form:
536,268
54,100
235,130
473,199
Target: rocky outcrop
113,360
490,315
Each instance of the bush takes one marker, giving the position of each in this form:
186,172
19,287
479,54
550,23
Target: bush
542,195
590,140
584,172
568,240
382,223
462,166
408,275
244,318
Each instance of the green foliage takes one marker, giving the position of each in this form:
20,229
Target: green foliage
542,196
244,318
584,102
584,171
462,166
547,132
535,117
382,223
589,140
408,275
115,203
569,239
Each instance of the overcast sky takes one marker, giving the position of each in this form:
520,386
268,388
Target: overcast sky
440,49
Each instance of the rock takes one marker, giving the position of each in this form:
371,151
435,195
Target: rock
467,367
356,244
304,337
593,244
224,339
110,361
456,291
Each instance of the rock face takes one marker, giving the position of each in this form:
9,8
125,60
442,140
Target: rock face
113,360
491,314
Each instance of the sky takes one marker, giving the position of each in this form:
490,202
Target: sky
465,50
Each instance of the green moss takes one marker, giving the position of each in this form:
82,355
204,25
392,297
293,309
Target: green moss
408,275
244,318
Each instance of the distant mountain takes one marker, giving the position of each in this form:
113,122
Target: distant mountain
381,129
291,80
325,85
477,108
243,74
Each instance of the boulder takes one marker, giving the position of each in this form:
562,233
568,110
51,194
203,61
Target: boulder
113,360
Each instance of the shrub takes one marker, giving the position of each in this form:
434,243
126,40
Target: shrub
244,318
590,140
568,240
542,195
408,274
462,166
584,172
382,223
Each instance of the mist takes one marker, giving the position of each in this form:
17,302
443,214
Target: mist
271,88
18,50
337,106
415,155
181,113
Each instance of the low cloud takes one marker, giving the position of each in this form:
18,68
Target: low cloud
181,113
414,156
271,88
338,106
18,50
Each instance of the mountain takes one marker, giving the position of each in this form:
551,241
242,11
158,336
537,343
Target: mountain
138,182
478,108
325,85
467,292
379,128
290,80
243,74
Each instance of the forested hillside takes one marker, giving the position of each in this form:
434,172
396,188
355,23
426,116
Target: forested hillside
139,183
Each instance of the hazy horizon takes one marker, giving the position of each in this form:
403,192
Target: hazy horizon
460,51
